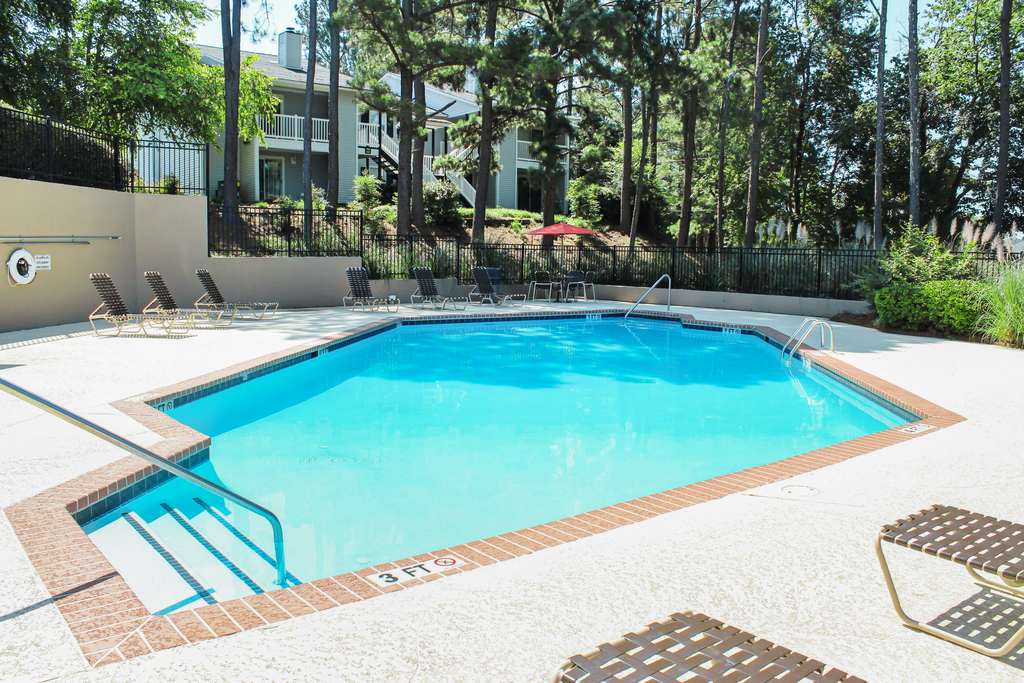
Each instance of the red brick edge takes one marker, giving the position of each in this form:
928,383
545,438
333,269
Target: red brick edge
110,623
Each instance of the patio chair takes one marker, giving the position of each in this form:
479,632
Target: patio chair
361,295
485,291
163,303
427,293
979,542
573,284
542,278
117,314
692,647
588,285
214,299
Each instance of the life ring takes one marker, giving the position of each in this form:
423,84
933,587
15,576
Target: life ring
21,267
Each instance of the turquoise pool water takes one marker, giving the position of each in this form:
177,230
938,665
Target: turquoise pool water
428,436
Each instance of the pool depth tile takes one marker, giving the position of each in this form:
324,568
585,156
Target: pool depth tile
111,624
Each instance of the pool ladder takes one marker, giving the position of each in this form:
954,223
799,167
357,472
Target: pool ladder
806,327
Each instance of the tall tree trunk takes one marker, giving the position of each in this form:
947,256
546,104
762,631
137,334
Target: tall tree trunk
758,125
627,154
879,230
552,164
231,30
652,205
483,173
915,116
797,151
307,129
403,220
332,110
418,210
644,136
690,140
1004,113
722,128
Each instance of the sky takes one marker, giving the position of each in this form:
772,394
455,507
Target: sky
283,15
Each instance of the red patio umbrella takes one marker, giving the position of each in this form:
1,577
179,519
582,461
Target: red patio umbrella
561,229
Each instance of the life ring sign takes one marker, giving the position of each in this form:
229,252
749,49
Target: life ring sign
21,267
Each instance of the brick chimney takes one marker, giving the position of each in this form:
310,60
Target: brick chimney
289,49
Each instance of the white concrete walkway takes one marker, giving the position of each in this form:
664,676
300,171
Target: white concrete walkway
795,565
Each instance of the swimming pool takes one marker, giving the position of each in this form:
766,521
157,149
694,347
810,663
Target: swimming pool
428,436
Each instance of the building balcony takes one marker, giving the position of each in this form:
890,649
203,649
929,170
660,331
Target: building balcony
524,153
290,128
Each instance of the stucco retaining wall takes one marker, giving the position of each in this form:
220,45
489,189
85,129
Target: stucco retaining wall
156,232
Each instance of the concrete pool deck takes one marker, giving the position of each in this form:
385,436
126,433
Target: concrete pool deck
791,561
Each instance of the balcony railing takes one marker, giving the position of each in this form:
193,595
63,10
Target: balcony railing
287,127
524,153
368,135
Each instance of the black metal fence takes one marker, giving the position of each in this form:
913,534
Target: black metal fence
805,272
274,231
40,148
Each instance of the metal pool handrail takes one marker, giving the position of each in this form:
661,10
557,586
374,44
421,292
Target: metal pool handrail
814,322
149,456
668,306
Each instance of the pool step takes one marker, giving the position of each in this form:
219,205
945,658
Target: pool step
192,553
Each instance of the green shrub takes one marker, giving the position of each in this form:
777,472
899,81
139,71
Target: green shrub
585,201
368,191
376,222
918,256
943,305
441,200
1003,317
171,184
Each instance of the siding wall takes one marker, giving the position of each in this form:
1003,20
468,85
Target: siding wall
216,165
507,176
348,115
294,103
247,154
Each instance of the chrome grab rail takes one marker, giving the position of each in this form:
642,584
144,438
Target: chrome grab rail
668,306
814,322
149,456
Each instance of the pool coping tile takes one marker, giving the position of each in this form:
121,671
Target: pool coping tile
110,623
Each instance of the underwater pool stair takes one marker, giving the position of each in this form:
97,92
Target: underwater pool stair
179,517
185,555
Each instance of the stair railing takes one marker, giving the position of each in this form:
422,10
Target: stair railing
153,458
668,306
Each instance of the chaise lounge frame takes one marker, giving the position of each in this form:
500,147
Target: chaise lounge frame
361,295
163,303
978,542
485,291
689,646
117,314
213,299
427,292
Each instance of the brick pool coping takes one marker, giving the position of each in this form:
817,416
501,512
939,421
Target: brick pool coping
111,624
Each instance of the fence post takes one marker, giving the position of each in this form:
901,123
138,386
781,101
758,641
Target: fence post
739,282
206,172
49,150
615,271
118,181
522,264
819,271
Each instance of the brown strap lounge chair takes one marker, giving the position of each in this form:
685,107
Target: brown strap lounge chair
695,648
114,311
979,542
427,292
215,300
486,292
361,295
163,303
